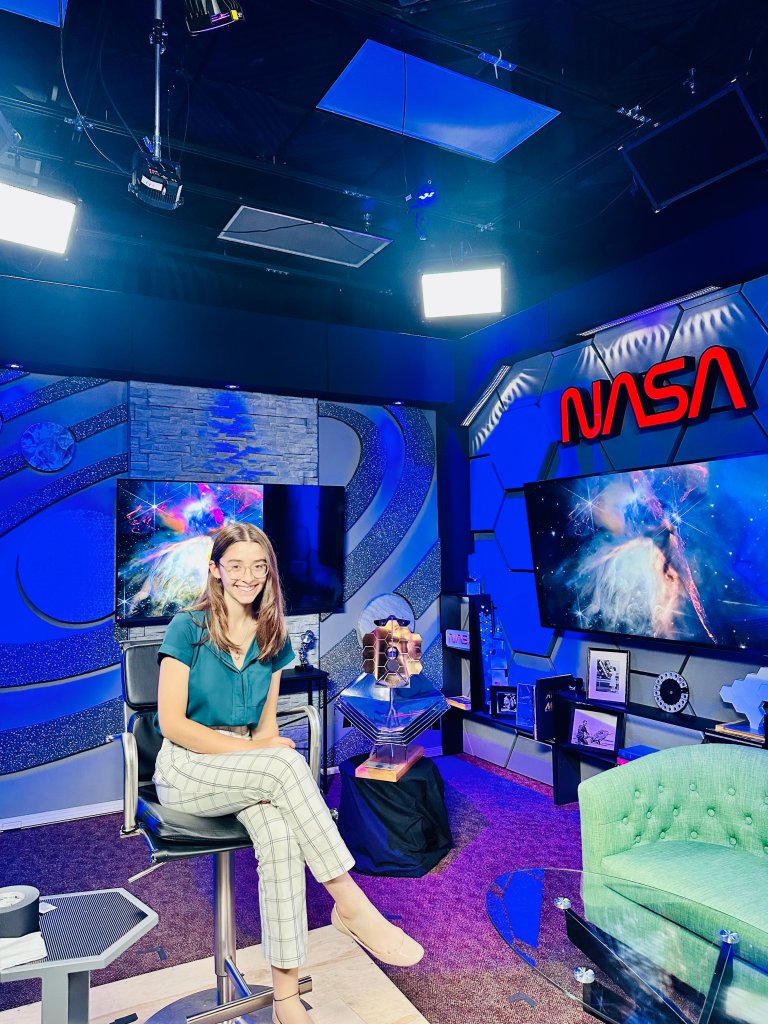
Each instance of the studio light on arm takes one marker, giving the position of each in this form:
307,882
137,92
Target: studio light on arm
28,217
462,292
206,15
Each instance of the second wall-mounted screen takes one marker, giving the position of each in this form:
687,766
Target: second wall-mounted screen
674,553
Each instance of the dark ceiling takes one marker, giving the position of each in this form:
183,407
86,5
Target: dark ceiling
239,112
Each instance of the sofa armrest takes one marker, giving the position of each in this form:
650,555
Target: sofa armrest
604,806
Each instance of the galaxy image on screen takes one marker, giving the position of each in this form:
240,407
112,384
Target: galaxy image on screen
679,552
164,538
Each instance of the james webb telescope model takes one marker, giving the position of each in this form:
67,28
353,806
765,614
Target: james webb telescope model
390,703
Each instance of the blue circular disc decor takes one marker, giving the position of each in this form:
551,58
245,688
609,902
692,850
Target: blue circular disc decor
47,446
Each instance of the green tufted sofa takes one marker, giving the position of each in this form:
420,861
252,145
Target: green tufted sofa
691,821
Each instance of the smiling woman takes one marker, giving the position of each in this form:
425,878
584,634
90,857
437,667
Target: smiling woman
220,667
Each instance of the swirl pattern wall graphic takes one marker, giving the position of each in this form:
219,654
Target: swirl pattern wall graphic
56,556
400,521
371,467
399,514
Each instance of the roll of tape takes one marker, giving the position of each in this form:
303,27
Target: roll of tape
19,911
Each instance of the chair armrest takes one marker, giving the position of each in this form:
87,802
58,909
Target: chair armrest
130,781
313,735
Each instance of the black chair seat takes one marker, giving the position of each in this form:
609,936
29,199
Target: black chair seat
179,834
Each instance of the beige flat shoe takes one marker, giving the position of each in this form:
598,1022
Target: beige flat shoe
407,954
275,1018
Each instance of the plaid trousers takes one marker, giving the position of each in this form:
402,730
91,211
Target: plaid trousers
292,829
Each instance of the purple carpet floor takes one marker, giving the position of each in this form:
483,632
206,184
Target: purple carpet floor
500,822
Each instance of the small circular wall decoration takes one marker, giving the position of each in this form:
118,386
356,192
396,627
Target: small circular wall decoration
47,446
670,691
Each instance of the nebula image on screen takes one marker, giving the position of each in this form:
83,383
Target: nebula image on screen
676,553
165,534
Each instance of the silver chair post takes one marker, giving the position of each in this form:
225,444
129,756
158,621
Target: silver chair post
224,923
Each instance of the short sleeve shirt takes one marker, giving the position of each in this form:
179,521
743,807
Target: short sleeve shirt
220,693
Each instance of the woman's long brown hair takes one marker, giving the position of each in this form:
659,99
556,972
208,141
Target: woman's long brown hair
269,611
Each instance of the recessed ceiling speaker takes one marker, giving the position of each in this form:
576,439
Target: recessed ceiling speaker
709,142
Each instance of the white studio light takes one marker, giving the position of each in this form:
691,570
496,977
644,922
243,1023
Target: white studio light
35,219
461,293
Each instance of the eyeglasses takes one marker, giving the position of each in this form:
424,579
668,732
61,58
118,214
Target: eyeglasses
236,570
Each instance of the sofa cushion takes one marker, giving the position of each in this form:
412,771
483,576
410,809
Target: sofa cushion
722,888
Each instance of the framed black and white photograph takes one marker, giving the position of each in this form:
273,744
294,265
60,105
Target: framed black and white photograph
504,701
595,729
608,676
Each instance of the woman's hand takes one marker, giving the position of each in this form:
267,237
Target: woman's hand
261,742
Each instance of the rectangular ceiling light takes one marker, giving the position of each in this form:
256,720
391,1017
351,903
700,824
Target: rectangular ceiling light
34,219
404,94
48,11
461,293
317,241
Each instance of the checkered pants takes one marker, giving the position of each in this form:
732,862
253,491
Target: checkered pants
293,829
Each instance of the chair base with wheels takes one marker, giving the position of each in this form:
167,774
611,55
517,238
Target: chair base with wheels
174,835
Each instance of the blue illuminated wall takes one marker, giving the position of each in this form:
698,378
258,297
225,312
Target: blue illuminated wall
64,440
62,443
514,439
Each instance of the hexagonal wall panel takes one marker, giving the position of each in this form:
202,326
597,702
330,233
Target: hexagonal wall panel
570,655
575,366
727,320
756,293
578,460
512,532
721,435
520,446
485,493
487,565
519,611
527,668
644,657
634,448
525,380
637,345
520,386
705,675
761,397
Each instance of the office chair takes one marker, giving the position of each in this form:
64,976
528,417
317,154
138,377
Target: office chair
175,835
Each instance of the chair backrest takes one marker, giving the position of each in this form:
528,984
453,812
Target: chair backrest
140,674
714,793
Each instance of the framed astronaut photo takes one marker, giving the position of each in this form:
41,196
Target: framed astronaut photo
504,701
596,729
608,675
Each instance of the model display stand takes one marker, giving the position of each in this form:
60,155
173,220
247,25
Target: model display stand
390,703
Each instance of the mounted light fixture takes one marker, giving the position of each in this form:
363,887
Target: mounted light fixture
206,15
155,181
29,217
464,292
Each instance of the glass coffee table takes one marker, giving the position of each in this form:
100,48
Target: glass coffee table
631,954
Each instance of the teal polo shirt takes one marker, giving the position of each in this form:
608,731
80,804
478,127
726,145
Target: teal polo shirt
220,693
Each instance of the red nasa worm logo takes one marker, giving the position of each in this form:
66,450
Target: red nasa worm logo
601,413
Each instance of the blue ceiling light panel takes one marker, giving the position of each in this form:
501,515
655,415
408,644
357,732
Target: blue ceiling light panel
404,94
48,11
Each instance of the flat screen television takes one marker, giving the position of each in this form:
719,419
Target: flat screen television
676,553
165,532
